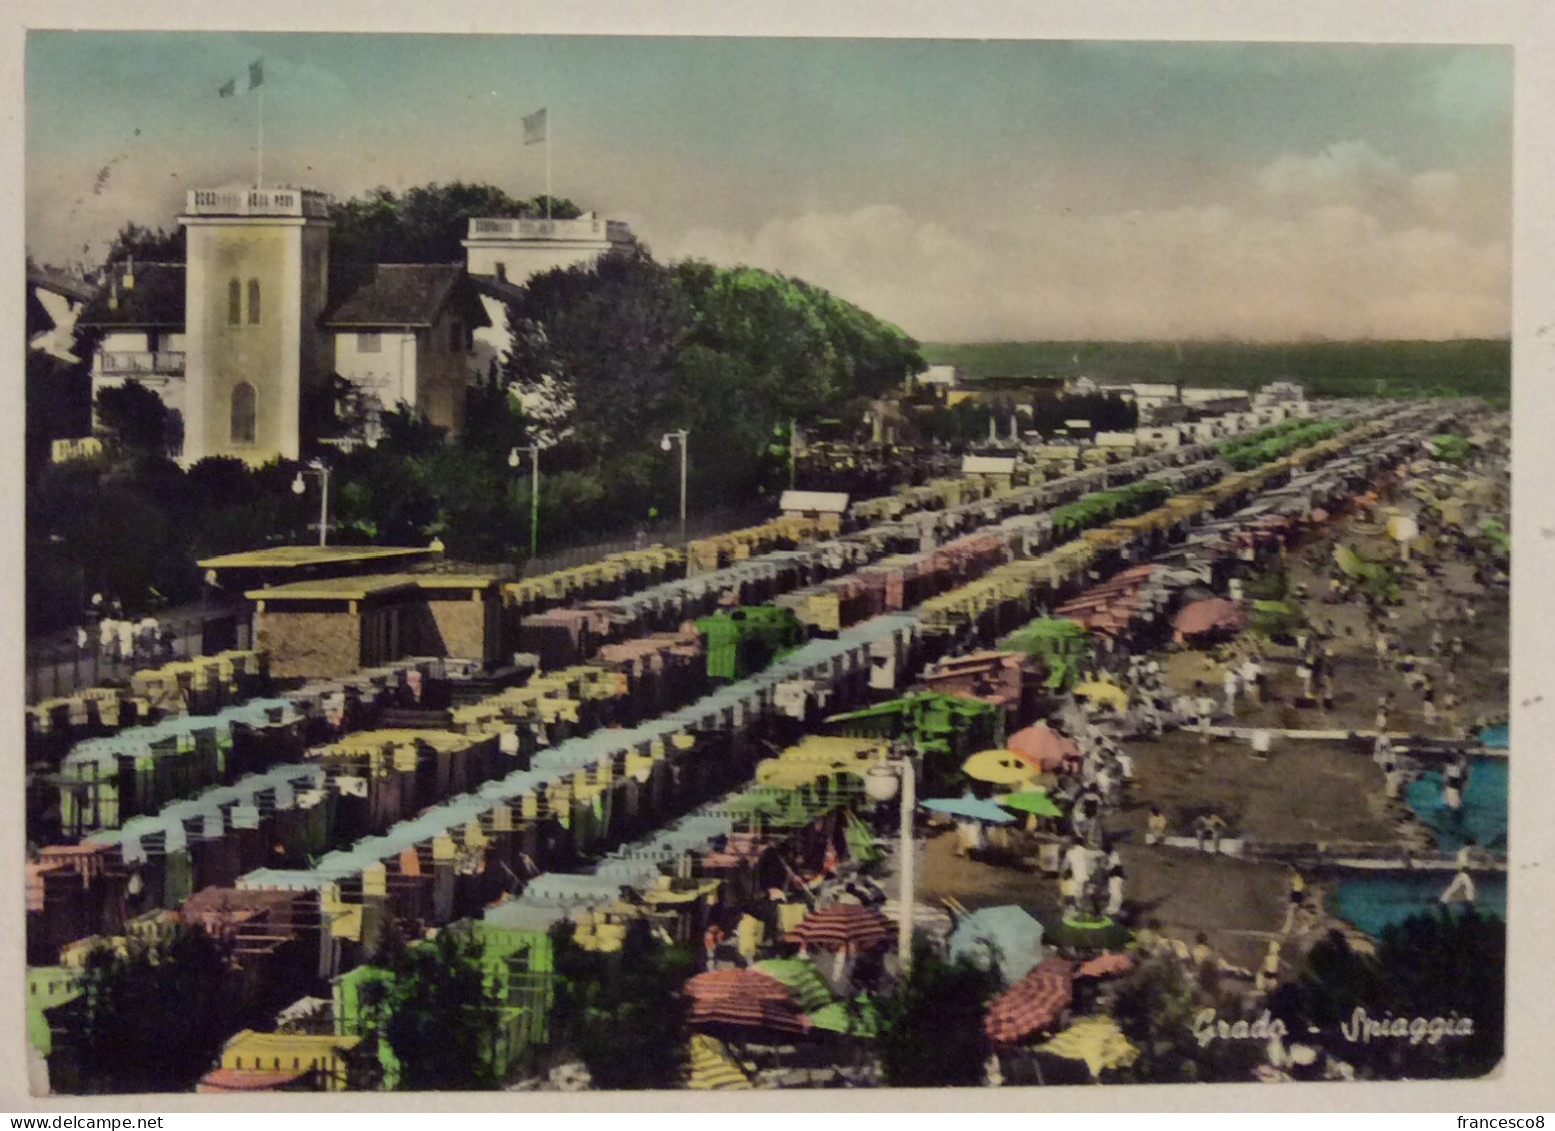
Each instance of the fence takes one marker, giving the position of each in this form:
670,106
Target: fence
57,668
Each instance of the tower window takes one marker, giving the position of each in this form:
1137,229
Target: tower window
253,302
502,272
234,302
243,407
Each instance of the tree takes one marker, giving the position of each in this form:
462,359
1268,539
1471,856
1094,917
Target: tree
436,1007
609,333
621,1012
136,420
59,405
153,1018
1441,965
933,1025
427,223
147,245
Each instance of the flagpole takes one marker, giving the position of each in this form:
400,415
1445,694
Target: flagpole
548,128
259,179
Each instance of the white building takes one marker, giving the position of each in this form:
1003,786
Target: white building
502,254
233,339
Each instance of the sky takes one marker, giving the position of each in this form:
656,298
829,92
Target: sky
965,190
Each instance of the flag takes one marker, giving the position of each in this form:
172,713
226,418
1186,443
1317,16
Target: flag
534,127
256,73
228,88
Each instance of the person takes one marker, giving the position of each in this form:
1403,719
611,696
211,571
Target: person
1297,900
1114,886
1382,646
1269,971
1304,673
81,638
1252,677
1453,780
1205,710
1384,702
1436,639
1202,955
126,639
1155,826
1461,890
107,637
1392,776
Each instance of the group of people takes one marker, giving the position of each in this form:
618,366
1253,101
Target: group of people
123,639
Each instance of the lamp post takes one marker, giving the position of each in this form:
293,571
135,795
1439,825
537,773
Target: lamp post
299,485
667,443
885,780
534,495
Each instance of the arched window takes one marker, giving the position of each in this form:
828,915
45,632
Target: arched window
253,302
234,302
243,413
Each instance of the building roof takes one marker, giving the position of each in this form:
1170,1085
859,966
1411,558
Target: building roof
302,557
359,588
155,302
399,294
48,279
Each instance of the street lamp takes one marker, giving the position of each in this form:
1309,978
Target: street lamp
667,443
316,467
534,495
899,777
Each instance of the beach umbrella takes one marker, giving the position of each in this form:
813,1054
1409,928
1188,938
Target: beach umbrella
1097,1041
1007,935
1000,767
712,1068
1032,1004
970,808
1046,745
1032,801
805,983
1101,691
843,924
1107,965
862,1021
1213,614
743,998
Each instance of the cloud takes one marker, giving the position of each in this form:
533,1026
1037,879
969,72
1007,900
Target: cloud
1335,269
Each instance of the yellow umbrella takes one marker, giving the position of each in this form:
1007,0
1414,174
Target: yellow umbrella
1000,767
1103,691
713,1068
1096,1040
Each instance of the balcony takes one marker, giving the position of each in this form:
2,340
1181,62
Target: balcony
256,202
141,363
588,227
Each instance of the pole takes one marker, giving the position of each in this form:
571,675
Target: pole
534,503
793,443
548,128
324,506
259,177
904,916
683,435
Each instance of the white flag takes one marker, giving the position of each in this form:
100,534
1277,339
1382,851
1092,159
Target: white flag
534,127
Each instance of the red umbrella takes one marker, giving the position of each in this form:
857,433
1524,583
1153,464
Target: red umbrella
1044,747
746,998
1105,965
1215,613
843,924
1032,1004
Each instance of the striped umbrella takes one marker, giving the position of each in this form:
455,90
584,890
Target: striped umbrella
743,998
1105,965
843,924
712,1067
1032,1004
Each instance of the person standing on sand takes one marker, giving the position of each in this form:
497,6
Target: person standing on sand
1269,971
1461,890
1155,826
1297,900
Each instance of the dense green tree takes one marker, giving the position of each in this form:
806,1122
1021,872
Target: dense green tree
1443,964
425,224
609,333
59,405
147,245
437,1008
621,1012
933,1031
154,1018
136,421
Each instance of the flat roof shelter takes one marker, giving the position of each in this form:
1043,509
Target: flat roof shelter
280,565
330,627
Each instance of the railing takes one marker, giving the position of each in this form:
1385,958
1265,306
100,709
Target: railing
162,362
587,227
256,202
